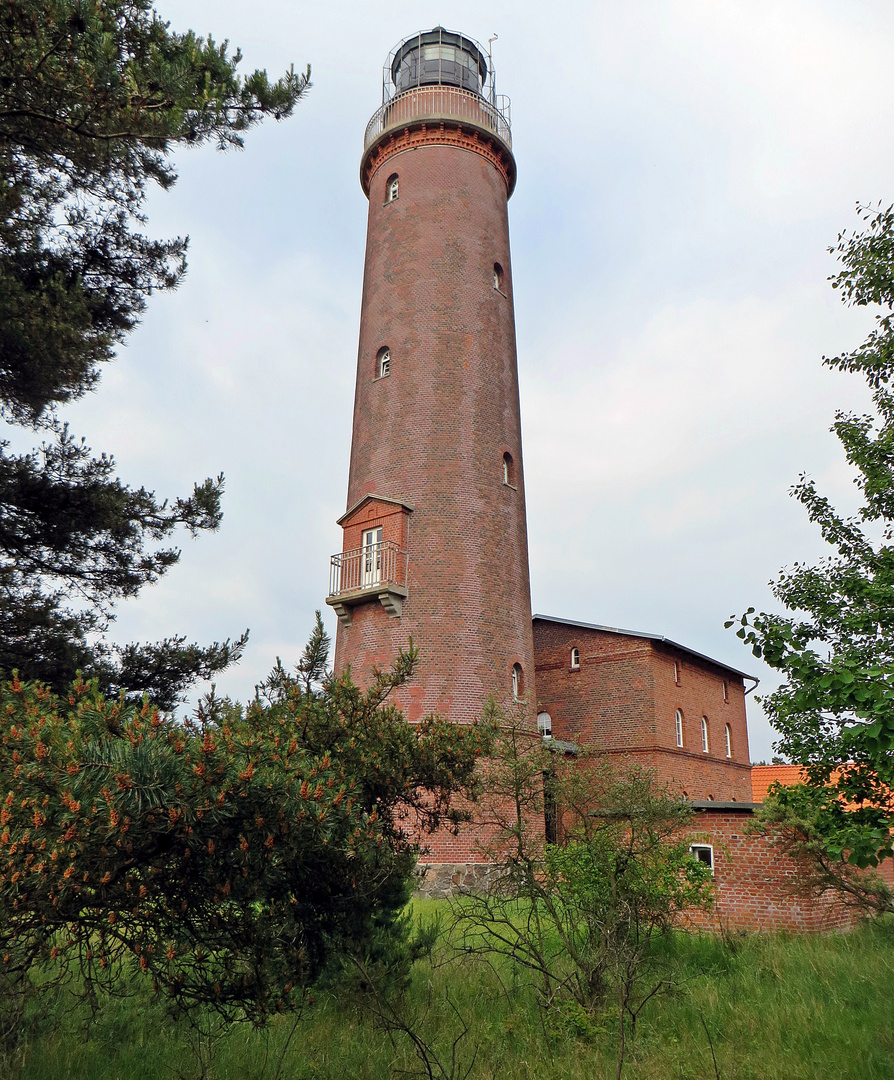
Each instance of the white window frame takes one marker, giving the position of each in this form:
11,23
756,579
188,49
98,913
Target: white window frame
706,746
392,189
518,682
678,724
545,725
384,363
575,658
729,741
372,555
703,847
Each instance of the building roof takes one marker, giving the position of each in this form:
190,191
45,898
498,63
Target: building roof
378,498
763,776
650,637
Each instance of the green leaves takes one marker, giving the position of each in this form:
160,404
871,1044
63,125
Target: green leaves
234,858
94,99
834,709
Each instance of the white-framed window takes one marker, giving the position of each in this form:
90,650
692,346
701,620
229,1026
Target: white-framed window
678,721
729,741
392,188
372,555
705,746
518,682
676,673
725,690
498,276
704,853
545,725
575,657
383,362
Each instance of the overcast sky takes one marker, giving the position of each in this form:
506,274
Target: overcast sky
683,167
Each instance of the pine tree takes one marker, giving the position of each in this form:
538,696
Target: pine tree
94,97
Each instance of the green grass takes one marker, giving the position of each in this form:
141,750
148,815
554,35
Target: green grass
775,1006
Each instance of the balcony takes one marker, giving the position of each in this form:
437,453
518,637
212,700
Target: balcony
441,103
375,572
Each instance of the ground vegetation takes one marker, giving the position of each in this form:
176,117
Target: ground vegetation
235,859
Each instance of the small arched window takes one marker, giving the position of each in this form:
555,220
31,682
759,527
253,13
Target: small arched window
705,734
545,725
498,277
575,658
392,188
518,682
678,720
383,362
729,741
508,470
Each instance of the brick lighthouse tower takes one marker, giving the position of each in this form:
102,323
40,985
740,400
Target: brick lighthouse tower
435,541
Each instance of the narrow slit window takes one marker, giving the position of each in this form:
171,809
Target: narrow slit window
725,690
729,741
705,734
498,277
518,682
678,723
508,470
392,188
676,673
575,658
383,363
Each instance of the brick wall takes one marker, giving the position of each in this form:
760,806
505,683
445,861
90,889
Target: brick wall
756,886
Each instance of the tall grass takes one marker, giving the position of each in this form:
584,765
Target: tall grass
755,1008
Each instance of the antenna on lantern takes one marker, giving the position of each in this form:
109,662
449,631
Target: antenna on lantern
490,64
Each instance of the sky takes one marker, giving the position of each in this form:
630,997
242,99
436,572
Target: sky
683,168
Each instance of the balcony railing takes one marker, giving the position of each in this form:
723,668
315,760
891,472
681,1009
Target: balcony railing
373,567
440,103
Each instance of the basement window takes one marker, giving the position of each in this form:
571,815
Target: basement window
704,853
575,658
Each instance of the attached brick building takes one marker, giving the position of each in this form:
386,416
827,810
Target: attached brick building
648,698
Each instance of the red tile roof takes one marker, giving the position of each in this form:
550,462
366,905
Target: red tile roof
762,776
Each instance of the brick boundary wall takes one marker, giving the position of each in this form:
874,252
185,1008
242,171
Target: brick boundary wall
756,885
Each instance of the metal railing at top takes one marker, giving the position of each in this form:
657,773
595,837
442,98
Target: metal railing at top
368,567
440,103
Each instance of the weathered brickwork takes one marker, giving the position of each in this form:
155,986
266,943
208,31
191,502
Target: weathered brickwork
756,885
623,698
433,432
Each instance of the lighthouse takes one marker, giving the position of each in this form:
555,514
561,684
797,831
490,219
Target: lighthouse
434,534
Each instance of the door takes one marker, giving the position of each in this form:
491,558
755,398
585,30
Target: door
372,556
